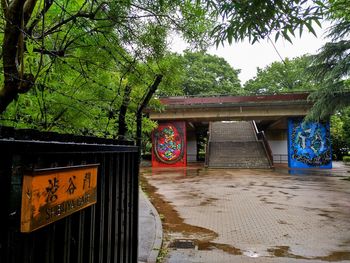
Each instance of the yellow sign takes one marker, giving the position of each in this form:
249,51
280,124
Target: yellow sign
51,194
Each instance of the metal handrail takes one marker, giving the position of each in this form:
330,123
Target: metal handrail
267,147
256,130
261,136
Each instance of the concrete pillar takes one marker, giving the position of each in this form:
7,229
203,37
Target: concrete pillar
191,146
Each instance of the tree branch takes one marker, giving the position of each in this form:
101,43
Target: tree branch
122,128
28,10
55,53
48,4
90,15
13,83
4,6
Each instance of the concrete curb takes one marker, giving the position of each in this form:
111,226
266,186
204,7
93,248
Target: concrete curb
157,244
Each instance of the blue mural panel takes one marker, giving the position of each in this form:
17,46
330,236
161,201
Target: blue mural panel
309,144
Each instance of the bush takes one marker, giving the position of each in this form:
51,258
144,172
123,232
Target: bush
346,159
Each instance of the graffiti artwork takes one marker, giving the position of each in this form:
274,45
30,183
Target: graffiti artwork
169,143
309,144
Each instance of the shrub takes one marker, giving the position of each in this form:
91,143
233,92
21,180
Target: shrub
346,159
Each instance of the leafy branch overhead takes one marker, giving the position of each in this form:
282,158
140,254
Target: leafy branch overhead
331,66
38,35
257,20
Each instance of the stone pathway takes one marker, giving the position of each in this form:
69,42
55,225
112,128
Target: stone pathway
252,215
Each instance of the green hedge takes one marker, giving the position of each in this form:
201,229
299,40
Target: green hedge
346,159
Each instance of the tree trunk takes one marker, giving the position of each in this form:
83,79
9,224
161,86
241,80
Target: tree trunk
14,82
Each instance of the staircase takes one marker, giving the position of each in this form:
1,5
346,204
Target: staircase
235,145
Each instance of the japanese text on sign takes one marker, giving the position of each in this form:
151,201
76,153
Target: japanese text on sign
49,195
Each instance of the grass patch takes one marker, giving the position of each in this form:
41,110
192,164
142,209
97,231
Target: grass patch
163,252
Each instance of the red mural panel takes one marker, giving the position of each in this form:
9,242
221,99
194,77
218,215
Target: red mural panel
169,145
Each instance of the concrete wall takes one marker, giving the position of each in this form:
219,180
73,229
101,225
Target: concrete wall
191,146
280,151
279,145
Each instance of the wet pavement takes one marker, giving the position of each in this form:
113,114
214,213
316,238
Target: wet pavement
244,215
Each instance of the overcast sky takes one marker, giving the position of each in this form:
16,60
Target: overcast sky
247,57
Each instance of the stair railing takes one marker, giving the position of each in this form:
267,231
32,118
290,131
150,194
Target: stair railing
256,130
260,135
266,147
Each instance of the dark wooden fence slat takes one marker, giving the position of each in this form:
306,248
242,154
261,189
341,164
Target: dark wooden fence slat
129,213
67,240
81,237
108,207
122,208
117,207
101,222
134,204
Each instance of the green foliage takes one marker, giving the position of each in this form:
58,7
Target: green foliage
84,53
205,74
279,77
339,9
346,159
258,19
171,66
331,66
340,133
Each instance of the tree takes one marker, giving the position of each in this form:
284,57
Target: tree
287,76
259,19
331,66
83,66
39,34
205,74
340,133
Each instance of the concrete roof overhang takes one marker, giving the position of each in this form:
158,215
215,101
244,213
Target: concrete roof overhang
268,107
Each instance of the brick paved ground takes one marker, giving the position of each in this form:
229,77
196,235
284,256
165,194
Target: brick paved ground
252,215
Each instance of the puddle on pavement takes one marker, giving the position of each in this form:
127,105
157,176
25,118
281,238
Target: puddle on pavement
224,247
208,201
309,172
346,178
251,254
336,256
326,215
284,252
172,222
279,208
